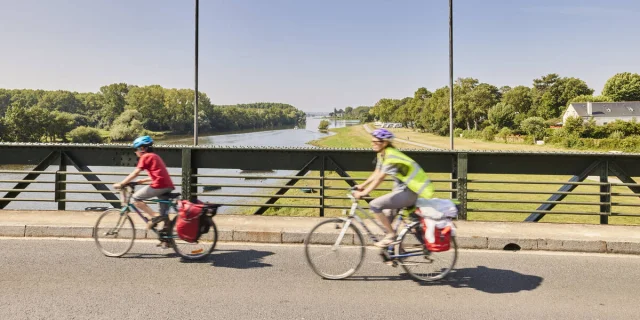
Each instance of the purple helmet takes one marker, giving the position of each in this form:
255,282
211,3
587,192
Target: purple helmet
382,134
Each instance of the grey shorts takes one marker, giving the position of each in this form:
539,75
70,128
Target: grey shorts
147,193
390,203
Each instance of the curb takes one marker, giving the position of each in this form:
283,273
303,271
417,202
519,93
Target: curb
297,237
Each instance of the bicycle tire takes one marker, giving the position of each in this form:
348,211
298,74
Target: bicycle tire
194,250
406,235
98,230
310,241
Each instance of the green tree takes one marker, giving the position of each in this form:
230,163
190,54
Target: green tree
623,87
502,115
60,100
590,98
85,135
552,93
127,126
114,99
520,98
324,125
534,126
481,99
574,125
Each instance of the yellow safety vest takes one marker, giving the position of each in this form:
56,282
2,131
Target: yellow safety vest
415,178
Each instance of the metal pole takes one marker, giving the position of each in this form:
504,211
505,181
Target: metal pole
195,106
451,72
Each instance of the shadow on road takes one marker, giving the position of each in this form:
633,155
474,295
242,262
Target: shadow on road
490,280
239,259
481,278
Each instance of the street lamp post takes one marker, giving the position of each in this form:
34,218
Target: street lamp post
451,72
195,105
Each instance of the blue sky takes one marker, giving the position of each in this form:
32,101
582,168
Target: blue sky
316,55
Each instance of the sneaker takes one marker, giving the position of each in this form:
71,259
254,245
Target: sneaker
154,221
388,240
163,245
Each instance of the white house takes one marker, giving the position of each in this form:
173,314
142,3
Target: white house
603,112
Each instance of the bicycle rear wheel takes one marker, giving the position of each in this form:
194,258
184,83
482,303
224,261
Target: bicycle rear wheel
198,249
114,233
425,265
330,259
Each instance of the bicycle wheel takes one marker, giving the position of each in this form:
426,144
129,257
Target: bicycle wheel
114,233
425,265
331,261
198,249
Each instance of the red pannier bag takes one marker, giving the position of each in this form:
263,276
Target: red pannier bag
188,221
442,238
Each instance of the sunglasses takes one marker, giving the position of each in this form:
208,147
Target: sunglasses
377,141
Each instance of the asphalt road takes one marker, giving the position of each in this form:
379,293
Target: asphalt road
70,279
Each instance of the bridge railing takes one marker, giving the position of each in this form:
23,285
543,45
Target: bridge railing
489,185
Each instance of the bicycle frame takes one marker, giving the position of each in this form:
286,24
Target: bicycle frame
353,216
127,206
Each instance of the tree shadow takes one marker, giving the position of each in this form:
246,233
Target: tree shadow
481,278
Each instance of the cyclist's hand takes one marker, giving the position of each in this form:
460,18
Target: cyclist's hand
117,186
359,194
358,187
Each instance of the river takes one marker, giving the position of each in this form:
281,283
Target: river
269,138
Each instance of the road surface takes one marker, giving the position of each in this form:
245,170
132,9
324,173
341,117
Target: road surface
70,279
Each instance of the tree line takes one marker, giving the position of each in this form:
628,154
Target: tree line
126,111
486,107
362,113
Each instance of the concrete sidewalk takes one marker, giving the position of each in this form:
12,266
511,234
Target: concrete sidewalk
271,229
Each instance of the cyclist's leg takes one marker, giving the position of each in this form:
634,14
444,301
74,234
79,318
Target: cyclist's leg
386,208
147,193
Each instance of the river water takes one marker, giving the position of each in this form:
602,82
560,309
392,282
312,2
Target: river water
299,137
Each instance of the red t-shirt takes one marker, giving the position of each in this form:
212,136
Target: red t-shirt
157,170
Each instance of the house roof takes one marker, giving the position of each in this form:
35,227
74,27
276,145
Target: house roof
609,109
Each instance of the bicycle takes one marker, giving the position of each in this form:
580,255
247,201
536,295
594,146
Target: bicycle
409,250
115,228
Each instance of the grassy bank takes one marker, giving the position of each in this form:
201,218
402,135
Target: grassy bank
356,137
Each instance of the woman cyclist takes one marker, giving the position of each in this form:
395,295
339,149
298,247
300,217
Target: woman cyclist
410,183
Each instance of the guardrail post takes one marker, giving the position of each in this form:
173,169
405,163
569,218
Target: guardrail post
461,172
60,186
188,180
605,209
322,167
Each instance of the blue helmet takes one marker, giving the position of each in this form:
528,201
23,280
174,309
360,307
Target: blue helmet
382,134
144,141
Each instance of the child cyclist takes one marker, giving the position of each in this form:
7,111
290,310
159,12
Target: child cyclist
158,177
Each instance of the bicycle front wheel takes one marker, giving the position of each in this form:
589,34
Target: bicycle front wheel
198,249
330,257
422,264
114,233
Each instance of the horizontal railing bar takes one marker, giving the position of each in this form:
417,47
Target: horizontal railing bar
624,204
538,202
620,214
25,190
346,198
27,181
535,211
268,205
539,182
254,176
620,184
97,182
105,173
89,191
98,201
384,189
254,195
341,207
621,194
27,172
390,180
539,192
21,199
253,186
